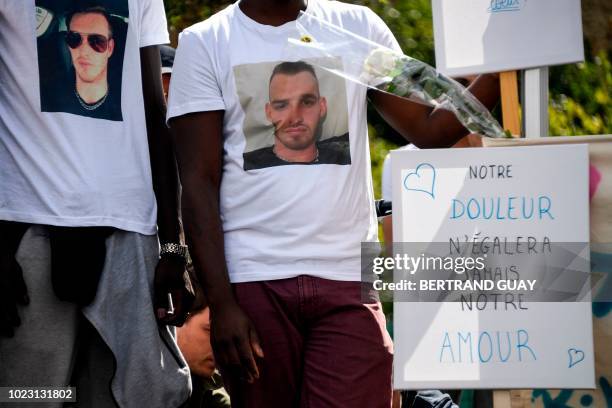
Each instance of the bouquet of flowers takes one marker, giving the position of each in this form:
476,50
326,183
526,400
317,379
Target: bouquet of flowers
381,68
404,76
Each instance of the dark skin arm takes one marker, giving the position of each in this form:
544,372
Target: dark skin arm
170,271
198,139
425,126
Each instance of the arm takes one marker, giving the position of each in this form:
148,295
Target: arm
425,126
200,160
170,271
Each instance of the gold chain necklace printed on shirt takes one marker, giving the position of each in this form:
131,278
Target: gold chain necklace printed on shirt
88,106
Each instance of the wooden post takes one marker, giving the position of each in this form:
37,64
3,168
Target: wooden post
510,102
501,399
511,399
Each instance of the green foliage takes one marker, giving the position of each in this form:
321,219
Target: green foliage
580,102
411,23
183,13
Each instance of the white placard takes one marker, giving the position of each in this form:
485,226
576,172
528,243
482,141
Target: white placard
479,36
534,345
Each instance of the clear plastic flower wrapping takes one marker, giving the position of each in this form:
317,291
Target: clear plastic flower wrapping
374,66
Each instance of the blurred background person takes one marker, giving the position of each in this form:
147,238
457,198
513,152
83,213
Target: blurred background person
194,341
167,60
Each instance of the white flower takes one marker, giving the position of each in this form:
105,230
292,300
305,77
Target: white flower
380,62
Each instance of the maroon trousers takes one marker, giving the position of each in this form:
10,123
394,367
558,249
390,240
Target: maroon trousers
325,344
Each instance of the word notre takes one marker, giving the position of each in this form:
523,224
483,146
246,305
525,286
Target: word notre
491,171
493,301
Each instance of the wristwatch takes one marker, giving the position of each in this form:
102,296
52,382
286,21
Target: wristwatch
173,249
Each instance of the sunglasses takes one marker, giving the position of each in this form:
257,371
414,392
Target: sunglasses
97,42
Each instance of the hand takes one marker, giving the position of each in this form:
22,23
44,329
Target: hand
171,278
13,290
234,340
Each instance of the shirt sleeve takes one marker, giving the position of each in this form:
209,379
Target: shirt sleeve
194,86
153,25
380,33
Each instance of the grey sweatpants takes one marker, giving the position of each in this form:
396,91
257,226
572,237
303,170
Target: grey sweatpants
126,346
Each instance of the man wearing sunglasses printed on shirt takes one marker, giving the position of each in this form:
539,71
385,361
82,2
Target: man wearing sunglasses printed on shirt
90,42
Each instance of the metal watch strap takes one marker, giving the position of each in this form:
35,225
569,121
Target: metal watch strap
173,249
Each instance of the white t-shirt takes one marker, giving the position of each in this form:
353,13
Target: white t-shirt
281,221
387,192
73,141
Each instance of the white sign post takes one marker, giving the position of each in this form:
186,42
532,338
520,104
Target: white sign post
439,196
535,102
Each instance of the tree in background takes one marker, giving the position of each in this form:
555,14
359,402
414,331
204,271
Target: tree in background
580,101
183,13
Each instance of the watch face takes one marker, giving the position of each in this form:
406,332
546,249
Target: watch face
173,249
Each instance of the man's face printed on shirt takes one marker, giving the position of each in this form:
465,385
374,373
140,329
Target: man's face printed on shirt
295,109
81,56
91,65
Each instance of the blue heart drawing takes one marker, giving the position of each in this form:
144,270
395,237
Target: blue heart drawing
422,179
575,356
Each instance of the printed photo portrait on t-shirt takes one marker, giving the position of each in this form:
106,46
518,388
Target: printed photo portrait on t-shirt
80,46
295,114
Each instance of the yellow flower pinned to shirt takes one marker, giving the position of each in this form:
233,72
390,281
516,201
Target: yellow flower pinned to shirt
306,38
